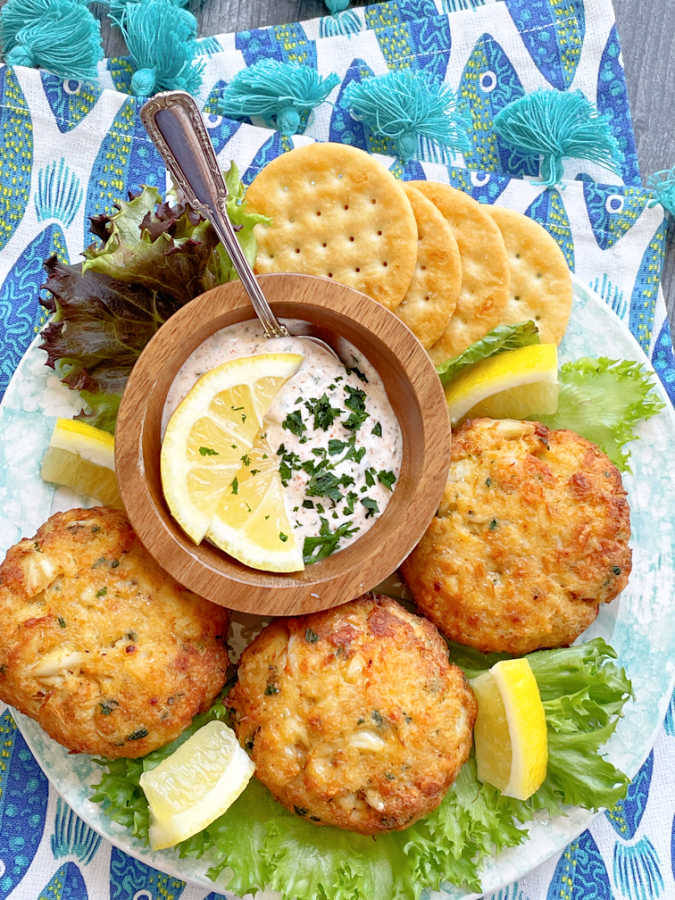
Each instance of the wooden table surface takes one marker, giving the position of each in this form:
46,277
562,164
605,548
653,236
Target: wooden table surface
648,44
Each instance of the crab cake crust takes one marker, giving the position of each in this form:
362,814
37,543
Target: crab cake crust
354,716
109,653
530,537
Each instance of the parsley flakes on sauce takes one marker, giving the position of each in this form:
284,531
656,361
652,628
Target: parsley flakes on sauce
332,489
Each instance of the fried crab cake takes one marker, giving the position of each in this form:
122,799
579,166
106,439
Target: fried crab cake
354,717
109,653
530,537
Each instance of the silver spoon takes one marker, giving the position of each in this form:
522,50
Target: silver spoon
174,123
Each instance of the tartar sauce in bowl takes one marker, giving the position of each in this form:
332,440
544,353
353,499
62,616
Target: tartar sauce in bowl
335,435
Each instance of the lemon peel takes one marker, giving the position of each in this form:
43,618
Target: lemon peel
195,784
82,458
219,479
510,734
513,384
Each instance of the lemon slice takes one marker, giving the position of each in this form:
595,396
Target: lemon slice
514,384
510,732
218,477
195,785
82,457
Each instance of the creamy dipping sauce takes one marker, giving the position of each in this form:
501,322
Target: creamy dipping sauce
336,437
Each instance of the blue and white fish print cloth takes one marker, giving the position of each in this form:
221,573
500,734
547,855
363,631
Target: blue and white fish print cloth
489,54
70,149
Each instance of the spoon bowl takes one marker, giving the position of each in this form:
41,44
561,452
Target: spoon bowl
416,396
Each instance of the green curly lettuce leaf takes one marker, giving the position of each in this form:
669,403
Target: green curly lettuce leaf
603,400
153,257
263,845
583,692
503,337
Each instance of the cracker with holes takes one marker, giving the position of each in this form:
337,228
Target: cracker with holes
484,292
337,212
433,292
541,284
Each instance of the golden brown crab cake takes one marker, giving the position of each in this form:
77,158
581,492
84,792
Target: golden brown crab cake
354,716
530,537
105,650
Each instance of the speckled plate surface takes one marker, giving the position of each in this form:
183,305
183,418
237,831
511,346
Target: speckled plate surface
640,624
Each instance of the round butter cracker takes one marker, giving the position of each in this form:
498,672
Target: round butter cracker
433,292
336,212
485,271
541,283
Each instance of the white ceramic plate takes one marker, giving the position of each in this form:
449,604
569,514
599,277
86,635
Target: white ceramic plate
640,624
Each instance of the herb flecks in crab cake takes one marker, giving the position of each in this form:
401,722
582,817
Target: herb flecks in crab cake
354,716
531,536
105,650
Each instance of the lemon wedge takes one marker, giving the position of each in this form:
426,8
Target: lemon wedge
219,478
195,785
510,732
514,384
82,457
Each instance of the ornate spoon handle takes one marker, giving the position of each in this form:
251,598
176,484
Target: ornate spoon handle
177,129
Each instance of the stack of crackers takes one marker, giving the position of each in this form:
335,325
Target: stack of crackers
452,269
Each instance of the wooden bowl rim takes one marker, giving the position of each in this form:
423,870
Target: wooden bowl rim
210,572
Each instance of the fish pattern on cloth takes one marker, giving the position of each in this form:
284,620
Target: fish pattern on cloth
489,54
73,150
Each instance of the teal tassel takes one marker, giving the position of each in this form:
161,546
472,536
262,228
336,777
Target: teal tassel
336,6
117,8
161,36
61,36
346,22
555,124
663,185
280,93
409,107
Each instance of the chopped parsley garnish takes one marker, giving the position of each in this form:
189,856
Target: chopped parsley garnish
386,477
208,451
246,459
107,706
324,413
61,621
370,505
325,484
235,485
138,734
356,453
354,370
283,537
293,423
349,503
370,474
326,542
271,689
376,429
335,446
493,524
311,636
356,402
101,592
308,504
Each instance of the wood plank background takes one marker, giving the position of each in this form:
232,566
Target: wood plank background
647,40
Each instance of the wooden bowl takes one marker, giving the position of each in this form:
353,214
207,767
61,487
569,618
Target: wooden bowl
414,392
